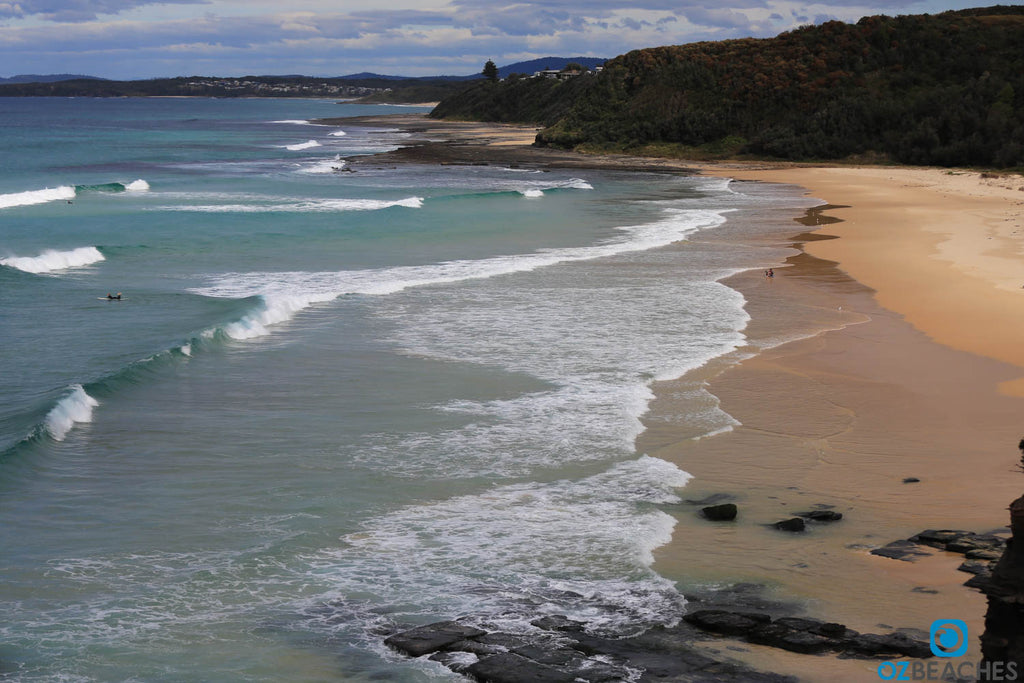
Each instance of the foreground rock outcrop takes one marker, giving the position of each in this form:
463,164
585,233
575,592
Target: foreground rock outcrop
1003,640
561,649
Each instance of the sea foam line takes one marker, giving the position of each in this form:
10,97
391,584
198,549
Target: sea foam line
306,206
51,260
286,293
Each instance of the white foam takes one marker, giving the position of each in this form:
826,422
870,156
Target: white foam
297,122
576,183
532,193
51,260
74,408
275,309
338,134
139,185
304,206
302,145
36,196
326,166
297,287
581,548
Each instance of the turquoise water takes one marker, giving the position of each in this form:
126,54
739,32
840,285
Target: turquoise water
331,404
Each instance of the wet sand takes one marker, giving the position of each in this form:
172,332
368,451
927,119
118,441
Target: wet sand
918,376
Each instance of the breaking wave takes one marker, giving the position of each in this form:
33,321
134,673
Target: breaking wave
286,293
51,260
302,145
304,206
74,408
36,196
66,193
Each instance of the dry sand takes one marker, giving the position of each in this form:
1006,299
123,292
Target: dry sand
920,376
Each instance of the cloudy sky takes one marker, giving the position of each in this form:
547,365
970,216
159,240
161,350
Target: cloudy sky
127,39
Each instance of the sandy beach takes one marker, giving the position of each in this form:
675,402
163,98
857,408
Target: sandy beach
886,348
914,386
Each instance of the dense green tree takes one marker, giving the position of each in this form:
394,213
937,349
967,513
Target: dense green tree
490,71
943,89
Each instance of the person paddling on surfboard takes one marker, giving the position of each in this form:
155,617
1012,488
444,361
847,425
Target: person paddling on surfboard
112,296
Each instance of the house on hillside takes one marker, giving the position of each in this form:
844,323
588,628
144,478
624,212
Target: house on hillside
562,74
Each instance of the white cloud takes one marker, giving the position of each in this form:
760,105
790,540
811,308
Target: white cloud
412,37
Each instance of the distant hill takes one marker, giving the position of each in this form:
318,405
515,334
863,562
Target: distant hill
944,89
367,86
534,65
529,68
47,78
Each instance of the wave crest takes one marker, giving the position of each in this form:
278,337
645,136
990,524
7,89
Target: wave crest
50,194
306,206
302,145
51,260
74,408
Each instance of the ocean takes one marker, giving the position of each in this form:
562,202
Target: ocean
330,404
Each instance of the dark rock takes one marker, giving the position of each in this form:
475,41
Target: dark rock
599,672
911,480
821,515
740,597
975,567
726,623
982,582
476,647
908,551
431,638
511,668
792,524
557,622
872,644
988,555
551,657
503,640
938,538
800,623
963,544
787,638
834,630
816,626
923,589
726,512
973,542
451,660
1003,639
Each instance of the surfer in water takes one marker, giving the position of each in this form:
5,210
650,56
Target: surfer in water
114,297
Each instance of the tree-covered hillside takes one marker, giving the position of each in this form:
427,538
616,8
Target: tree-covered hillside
944,89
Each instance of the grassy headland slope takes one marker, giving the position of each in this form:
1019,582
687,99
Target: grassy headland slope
945,89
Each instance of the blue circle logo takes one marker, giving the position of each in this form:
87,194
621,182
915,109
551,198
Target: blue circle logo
948,638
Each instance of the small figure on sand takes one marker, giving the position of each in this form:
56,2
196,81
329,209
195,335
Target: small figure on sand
769,273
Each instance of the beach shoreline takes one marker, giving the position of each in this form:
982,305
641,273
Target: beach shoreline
909,372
